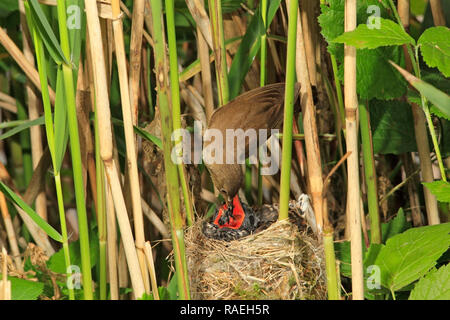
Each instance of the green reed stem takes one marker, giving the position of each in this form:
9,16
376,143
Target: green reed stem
101,210
333,288
337,83
76,154
286,155
62,219
175,94
49,128
370,174
172,176
262,82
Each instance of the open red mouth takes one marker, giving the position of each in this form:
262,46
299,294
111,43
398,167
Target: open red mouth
235,219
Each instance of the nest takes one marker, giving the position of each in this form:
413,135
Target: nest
279,262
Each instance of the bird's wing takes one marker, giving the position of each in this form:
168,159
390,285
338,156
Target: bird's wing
260,108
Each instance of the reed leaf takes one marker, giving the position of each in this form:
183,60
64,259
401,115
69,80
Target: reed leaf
45,31
20,125
48,229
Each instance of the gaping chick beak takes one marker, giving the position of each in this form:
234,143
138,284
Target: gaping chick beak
230,215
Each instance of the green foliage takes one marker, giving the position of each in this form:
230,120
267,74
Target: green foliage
363,37
375,77
395,226
438,81
60,122
441,189
21,125
8,6
45,31
249,48
392,127
408,256
57,264
48,229
440,99
342,250
435,48
434,286
22,289
445,140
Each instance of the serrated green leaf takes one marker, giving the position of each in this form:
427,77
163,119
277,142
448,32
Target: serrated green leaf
434,286
395,226
392,124
389,34
331,22
375,78
435,48
48,229
441,189
408,256
22,289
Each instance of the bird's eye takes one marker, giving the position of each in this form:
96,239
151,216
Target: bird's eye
223,191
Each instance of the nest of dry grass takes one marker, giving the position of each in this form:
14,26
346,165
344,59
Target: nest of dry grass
279,262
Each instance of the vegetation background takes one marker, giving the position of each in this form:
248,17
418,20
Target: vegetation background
90,92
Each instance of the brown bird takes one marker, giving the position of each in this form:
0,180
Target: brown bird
260,108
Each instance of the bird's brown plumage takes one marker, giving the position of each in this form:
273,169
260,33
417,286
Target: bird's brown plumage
260,108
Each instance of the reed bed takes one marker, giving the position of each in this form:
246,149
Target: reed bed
94,94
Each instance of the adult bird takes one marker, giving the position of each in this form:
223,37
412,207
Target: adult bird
260,108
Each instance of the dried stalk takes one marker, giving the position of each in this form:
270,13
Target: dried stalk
151,269
112,246
314,163
351,125
200,16
413,194
24,64
203,53
106,145
215,14
438,12
130,139
137,29
420,131
36,232
5,284
12,239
